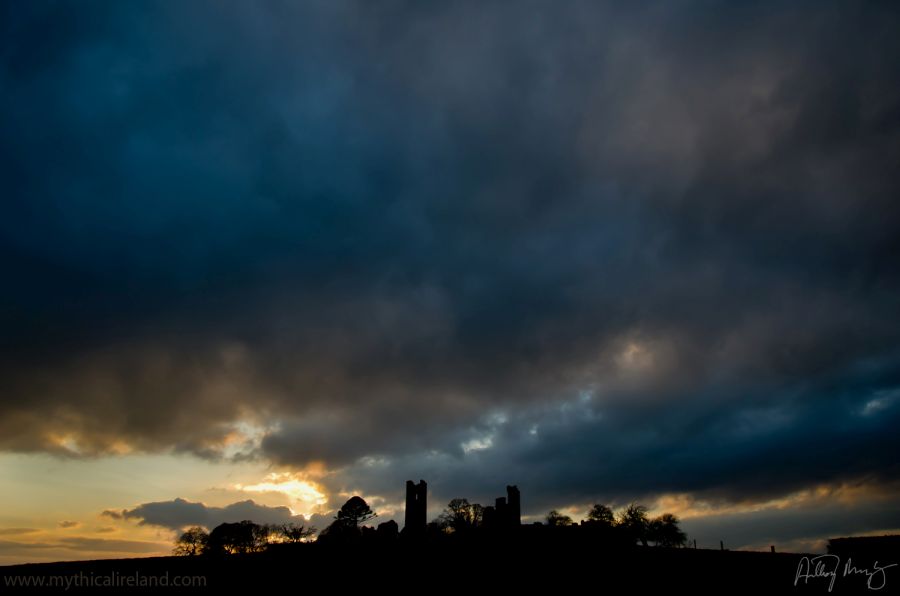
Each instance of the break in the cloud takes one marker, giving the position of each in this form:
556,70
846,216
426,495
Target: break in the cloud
596,250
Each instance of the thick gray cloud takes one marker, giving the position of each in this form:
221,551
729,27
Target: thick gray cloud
608,250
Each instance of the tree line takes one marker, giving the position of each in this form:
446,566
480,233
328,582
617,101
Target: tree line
249,537
239,538
632,525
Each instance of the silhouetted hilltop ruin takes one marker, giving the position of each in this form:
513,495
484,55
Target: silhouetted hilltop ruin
556,555
506,511
416,507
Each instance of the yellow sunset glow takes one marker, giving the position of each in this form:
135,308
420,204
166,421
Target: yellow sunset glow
305,496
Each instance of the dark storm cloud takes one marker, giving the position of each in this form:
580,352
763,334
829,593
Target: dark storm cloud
639,249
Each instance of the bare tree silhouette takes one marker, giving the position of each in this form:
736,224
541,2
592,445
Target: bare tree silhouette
460,515
296,532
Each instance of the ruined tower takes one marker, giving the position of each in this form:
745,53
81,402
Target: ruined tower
416,506
513,505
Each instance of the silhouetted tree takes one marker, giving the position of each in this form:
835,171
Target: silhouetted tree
240,537
556,519
477,515
263,534
192,542
460,515
295,532
664,531
633,521
346,524
355,512
601,515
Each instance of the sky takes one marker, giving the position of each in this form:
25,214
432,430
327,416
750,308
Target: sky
260,257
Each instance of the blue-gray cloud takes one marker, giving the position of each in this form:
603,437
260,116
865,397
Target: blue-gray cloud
179,513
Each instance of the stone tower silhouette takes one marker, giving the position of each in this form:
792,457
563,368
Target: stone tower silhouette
513,505
416,506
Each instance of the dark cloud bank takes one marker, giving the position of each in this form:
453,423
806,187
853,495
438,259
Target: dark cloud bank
611,251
